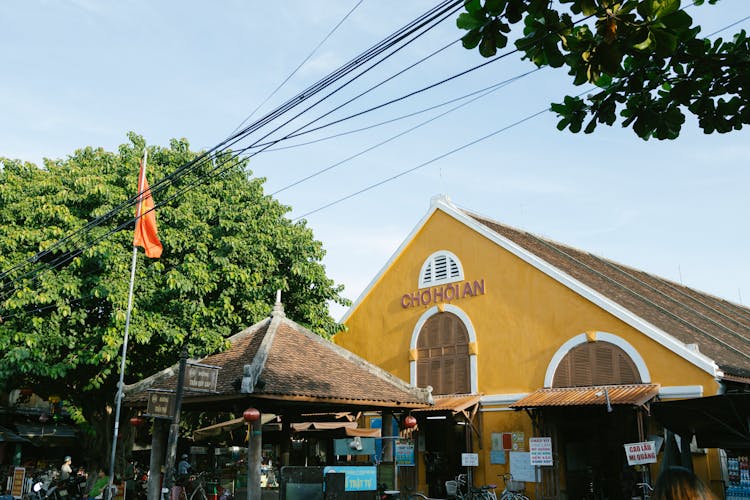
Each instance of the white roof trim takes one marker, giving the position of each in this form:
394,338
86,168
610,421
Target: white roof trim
681,391
443,203
700,360
502,399
635,356
409,237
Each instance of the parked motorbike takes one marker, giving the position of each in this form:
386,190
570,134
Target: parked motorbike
43,487
141,482
72,488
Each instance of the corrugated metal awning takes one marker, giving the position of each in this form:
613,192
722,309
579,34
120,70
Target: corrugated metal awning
349,428
450,402
228,426
630,394
46,430
8,436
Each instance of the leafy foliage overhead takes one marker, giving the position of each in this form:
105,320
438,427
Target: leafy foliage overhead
645,56
227,249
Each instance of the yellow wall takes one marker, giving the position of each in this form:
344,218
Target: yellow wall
521,320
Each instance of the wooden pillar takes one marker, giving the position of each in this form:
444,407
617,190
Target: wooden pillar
158,448
254,456
286,442
387,430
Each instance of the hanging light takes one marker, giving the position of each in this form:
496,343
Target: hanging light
251,415
410,422
136,421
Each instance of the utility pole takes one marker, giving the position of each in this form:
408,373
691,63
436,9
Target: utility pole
174,429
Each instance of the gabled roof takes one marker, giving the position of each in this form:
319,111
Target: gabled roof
277,359
710,332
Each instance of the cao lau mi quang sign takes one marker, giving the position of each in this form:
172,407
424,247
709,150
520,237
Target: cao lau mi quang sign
641,453
440,294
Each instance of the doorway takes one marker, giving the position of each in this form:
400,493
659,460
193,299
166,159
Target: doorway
590,440
445,440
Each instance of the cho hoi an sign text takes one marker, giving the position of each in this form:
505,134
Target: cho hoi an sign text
441,294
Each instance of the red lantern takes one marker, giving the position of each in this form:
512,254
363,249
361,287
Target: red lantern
136,421
410,422
251,415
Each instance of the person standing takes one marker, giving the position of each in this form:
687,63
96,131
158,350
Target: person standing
67,469
183,466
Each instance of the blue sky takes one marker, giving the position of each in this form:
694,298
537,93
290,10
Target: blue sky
83,73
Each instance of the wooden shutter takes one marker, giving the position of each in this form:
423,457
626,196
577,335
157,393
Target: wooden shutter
443,355
595,363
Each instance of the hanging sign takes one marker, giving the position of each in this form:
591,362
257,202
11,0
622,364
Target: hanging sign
541,450
404,452
469,460
160,404
201,378
641,453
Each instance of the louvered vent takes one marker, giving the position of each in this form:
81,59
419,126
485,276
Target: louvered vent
440,267
595,363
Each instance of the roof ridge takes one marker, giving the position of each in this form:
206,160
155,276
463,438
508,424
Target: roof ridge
251,371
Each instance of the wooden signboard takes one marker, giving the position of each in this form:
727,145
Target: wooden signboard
19,475
160,404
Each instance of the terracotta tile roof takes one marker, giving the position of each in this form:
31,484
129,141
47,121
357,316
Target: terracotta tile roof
279,359
720,329
631,394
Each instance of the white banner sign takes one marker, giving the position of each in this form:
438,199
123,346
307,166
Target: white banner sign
541,450
469,459
641,453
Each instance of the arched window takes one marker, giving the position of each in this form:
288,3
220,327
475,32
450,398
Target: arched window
440,267
443,355
595,363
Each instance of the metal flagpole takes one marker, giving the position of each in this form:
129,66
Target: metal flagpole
121,383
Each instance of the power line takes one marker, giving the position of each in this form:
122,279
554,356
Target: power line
313,51
424,164
400,134
402,35
211,156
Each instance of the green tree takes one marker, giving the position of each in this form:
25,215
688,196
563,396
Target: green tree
645,56
227,249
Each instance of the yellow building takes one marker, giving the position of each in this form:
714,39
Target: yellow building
521,337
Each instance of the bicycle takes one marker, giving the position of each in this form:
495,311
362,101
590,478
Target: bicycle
455,490
647,490
198,485
485,492
513,489
197,490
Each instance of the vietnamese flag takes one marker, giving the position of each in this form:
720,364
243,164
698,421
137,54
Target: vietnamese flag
145,222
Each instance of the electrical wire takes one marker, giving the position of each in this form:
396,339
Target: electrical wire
210,155
313,51
426,163
404,132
